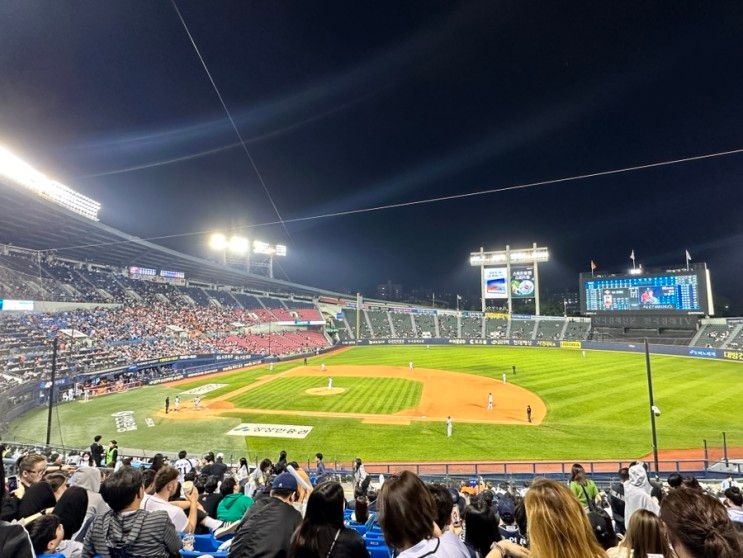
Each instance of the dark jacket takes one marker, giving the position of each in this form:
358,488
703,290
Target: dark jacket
210,502
266,530
616,501
96,452
348,545
139,533
14,541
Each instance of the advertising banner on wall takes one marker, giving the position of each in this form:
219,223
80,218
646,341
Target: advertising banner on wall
497,283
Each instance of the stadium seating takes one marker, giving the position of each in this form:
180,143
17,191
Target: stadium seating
522,329
550,330
471,327
448,325
403,325
425,325
350,315
714,335
497,328
380,323
576,331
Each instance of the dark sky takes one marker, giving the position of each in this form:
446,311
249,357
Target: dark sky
355,104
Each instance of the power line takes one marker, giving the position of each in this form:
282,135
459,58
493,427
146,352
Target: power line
232,121
438,199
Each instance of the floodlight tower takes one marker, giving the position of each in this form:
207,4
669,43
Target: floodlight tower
240,249
528,257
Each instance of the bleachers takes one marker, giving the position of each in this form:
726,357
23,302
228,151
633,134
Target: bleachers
714,335
380,323
522,329
549,330
223,297
403,325
576,331
425,325
350,315
496,328
471,327
448,326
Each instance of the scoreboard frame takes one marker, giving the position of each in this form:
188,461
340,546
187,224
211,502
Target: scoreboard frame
704,291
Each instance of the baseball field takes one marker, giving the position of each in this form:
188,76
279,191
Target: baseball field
591,407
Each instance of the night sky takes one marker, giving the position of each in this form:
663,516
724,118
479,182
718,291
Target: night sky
346,105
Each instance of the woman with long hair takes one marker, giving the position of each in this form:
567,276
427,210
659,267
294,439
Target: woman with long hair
645,535
557,525
158,462
243,471
322,533
698,526
481,527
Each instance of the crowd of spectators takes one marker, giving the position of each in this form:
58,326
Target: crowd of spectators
101,503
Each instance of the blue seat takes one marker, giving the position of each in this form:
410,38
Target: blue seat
55,555
360,528
205,543
378,552
374,541
197,554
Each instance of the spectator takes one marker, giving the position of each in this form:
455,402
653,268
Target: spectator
698,526
280,465
303,488
675,480
127,530
58,481
734,503
71,510
96,450
89,478
258,478
46,533
219,468
268,526
450,542
637,493
39,498
31,470
322,533
243,472
507,526
166,485
148,481
360,476
211,497
616,500
183,465
481,527
233,504
112,454
583,487
14,541
158,462
361,510
319,465
645,535
558,526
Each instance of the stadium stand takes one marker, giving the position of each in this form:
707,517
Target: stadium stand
350,315
576,331
448,325
425,325
403,325
471,327
523,329
496,328
714,335
550,329
380,323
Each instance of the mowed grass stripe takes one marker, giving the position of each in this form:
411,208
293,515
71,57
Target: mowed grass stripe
362,395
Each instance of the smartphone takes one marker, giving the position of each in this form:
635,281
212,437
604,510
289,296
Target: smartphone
12,483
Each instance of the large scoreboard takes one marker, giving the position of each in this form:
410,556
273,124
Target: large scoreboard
672,291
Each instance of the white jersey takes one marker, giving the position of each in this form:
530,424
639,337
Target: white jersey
184,466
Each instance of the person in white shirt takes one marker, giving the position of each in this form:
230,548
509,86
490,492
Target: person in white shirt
410,365
449,427
166,484
490,401
183,465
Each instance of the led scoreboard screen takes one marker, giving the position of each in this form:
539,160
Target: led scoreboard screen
672,292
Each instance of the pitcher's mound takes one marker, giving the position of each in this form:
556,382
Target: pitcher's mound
324,391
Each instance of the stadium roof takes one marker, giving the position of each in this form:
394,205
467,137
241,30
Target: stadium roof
29,221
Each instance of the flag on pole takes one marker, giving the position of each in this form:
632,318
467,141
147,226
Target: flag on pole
459,297
593,267
688,259
632,255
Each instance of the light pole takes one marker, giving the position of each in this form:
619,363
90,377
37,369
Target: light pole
653,409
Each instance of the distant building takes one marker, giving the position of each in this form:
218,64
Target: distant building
389,291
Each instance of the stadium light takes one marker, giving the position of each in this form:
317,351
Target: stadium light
218,241
238,245
21,173
500,259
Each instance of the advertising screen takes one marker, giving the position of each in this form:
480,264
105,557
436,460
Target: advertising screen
522,282
17,305
495,282
172,274
682,292
147,272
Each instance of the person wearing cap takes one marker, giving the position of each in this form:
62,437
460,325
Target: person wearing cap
268,526
507,526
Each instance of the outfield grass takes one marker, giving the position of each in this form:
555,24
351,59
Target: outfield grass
362,395
597,408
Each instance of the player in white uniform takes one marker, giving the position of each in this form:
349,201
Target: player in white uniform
504,377
584,354
410,365
177,402
490,401
449,427
330,383
323,368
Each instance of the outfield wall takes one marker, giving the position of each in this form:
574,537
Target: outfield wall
674,350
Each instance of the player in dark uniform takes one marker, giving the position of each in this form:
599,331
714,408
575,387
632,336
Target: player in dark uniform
167,404
528,413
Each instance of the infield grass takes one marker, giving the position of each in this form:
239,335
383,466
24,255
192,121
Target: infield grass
597,408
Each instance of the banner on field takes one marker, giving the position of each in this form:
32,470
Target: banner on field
201,390
571,344
124,421
270,430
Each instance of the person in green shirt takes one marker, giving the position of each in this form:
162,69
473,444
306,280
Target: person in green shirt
234,503
585,489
